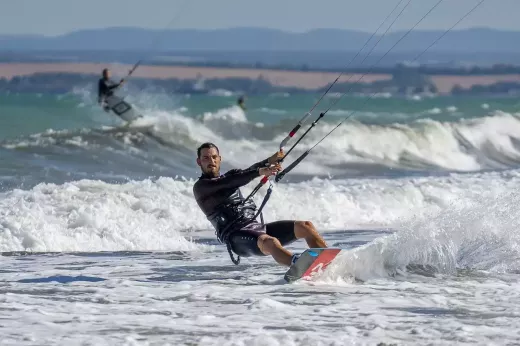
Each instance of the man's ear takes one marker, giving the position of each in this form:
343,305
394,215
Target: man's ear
198,162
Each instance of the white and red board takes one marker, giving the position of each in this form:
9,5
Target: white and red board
311,262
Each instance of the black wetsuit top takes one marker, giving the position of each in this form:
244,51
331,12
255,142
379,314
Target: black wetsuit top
105,88
222,202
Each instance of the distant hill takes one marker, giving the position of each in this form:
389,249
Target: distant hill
256,39
254,47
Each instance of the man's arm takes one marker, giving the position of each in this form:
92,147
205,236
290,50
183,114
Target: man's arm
114,85
260,164
271,160
232,180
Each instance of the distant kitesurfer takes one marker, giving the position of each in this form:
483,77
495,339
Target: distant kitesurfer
241,102
106,87
219,197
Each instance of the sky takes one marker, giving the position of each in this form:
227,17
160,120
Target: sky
56,17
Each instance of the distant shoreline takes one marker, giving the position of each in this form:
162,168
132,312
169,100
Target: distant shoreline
298,79
305,80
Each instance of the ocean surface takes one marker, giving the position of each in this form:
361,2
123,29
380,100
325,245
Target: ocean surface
103,243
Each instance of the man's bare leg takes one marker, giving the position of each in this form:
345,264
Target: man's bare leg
307,231
272,246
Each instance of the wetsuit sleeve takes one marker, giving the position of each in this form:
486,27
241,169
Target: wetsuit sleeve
101,90
113,86
105,88
259,164
231,180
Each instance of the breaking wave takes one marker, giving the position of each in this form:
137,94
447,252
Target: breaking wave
355,148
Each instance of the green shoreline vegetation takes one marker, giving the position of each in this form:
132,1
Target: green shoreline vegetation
405,80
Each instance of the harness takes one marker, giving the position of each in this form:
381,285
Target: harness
224,234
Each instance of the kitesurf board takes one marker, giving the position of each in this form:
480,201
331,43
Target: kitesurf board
121,108
311,262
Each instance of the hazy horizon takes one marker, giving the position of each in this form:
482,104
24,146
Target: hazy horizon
253,27
58,17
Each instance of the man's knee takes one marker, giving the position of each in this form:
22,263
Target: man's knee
305,224
304,229
266,244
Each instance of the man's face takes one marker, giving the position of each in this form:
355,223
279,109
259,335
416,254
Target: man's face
209,161
107,74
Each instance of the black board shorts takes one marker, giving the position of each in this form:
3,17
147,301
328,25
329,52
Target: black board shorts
244,241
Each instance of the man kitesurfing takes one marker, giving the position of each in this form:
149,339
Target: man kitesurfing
234,217
241,102
110,102
106,88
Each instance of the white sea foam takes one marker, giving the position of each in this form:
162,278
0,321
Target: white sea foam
466,145
452,223
92,215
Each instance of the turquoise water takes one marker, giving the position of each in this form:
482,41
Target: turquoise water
58,138
26,114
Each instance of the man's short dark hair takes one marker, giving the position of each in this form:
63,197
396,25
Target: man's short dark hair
207,145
